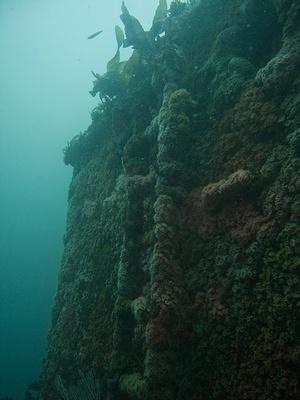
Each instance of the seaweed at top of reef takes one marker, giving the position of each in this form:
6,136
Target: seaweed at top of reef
120,75
123,85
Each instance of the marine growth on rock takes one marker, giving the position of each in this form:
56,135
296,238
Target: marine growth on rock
180,275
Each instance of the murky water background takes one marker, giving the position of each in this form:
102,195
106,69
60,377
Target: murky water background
45,77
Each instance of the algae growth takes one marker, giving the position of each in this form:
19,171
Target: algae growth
180,276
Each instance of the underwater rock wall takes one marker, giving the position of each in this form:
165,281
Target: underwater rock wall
180,275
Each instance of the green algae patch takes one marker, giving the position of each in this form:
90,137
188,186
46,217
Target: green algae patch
133,384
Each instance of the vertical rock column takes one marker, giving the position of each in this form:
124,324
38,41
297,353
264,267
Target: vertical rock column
167,286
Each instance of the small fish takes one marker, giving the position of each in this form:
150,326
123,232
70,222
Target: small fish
94,35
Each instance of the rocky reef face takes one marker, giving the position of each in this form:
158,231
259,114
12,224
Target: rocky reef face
180,276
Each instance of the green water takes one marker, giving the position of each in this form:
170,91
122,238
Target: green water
45,77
